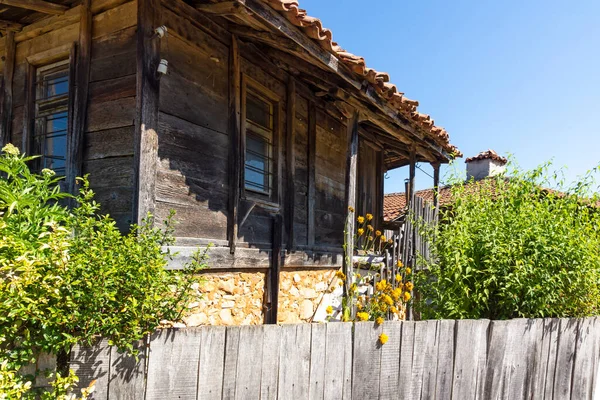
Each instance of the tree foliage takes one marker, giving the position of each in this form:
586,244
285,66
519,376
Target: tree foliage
508,248
68,275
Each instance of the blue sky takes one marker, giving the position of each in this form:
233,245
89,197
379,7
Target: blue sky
519,77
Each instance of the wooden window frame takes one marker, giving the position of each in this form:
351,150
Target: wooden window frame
270,198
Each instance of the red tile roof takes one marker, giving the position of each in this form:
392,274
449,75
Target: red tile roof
488,155
314,29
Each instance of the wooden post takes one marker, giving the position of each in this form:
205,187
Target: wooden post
235,150
271,317
412,171
312,156
7,94
82,78
436,189
29,110
410,259
351,186
147,100
291,162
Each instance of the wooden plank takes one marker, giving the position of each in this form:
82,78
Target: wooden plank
232,344
294,361
235,167
10,26
274,271
312,150
290,162
585,359
445,359
338,362
28,111
565,357
427,356
92,363
37,5
351,182
127,375
550,342
405,390
270,362
366,361
222,8
390,361
536,364
147,101
248,371
7,94
173,364
212,356
75,142
318,348
470,358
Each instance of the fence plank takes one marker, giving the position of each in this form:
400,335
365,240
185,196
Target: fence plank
317,361
367,361
429,355
550,342
565,356
173,364
445,359
294,361
248,371
406,360
536,365
585,357
390,361
92,363
211,362
126,378
470,359
270,362
232,341
338,362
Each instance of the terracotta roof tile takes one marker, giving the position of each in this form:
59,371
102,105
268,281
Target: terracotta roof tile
488,155
314,29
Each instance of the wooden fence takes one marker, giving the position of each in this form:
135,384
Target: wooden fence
446,359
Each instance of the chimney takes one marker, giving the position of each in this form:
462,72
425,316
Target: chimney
485,164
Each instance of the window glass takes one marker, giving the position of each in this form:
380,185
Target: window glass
259,136
51,119
258,111
257,163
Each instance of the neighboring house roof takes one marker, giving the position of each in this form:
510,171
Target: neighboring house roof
488,155
314,29
394,204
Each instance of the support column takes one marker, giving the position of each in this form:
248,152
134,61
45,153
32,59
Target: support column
7,94
436,189
351,187
147,99
235,150
312,157
411,192
82,78
291,162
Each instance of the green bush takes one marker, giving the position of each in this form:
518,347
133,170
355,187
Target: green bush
508,248
67,274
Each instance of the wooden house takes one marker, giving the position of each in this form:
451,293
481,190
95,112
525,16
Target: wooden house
243,116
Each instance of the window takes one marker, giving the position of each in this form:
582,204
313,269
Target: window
258,169
51,116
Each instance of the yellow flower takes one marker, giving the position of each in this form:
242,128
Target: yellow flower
371,238
388,300
390,241
380,286
10,149
329,310
340,283
378,233
398,277
359,306
379,320
340,275
353,287
396,293
408,271
351,209
363,316
409,286
382,238
357,275
369,217
394,310
399,264
406,296
370,227
360,231
360,219
383,338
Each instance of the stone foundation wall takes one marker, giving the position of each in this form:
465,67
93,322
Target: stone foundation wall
228,298
301,294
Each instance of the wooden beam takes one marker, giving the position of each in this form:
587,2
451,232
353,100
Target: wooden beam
412,173
7,93
274,271
268,38
37,5
223,8
436,184
351,188
312,157
147,99
10,26
82,79
291,161
235,150
279,23
29,109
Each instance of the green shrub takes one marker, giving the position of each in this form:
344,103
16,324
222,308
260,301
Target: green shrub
509,248
67,275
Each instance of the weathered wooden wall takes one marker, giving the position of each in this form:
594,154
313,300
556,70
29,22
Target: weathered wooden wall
108,152
445,359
